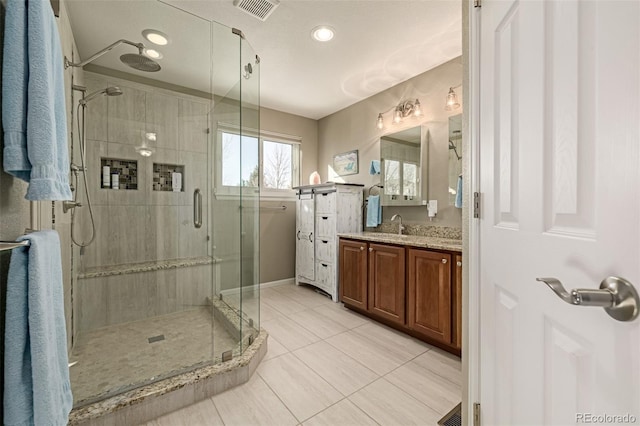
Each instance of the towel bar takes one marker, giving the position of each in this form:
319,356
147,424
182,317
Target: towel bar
10,245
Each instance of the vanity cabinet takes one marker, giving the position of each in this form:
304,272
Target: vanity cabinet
386,275
369,277
429,294
415,290
457,304
353,273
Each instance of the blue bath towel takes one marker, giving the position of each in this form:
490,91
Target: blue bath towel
34,114
36,383
458,202
374,168
374,211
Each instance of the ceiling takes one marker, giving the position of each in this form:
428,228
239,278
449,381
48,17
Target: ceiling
377,45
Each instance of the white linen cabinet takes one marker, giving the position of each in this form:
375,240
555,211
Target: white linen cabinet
323,211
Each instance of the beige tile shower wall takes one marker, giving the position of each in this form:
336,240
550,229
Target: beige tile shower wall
355,128
59,220
144,225
122,298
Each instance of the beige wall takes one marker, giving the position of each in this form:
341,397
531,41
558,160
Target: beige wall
277,228
355,128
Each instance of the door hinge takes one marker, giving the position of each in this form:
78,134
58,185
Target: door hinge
476,414
477,3
476,205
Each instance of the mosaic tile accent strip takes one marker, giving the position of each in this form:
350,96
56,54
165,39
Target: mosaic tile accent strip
127,171
132,268
162,176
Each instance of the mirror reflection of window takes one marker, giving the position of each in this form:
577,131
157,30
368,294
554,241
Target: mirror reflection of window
391,177
455,156
409,180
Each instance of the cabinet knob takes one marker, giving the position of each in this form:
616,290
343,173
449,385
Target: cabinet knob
370,248
459,263
444,260
361,248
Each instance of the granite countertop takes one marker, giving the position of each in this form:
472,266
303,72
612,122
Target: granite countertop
436,243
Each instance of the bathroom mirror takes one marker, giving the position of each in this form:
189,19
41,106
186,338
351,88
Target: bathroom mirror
401,167
455,159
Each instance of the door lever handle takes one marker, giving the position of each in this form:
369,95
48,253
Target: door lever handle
616,295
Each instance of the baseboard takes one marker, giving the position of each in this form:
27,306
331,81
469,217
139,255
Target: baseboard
233,291
286,281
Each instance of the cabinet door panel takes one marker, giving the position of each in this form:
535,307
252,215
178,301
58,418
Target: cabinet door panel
429,301
353,273
386,282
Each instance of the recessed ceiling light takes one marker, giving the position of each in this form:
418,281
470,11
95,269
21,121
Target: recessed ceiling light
322,33
153,54
156,37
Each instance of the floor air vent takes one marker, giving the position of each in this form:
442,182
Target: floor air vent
260,9
453,417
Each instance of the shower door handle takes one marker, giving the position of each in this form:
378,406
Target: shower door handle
197,208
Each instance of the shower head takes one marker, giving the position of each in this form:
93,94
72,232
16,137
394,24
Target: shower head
140,62
109,91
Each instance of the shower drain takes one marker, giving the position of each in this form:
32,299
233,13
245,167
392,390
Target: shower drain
157,338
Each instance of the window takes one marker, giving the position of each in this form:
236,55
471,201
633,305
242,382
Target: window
270,163
279,170
233,147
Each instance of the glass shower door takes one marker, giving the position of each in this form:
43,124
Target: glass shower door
250,194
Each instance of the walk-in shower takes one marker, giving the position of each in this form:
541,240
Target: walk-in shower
165,273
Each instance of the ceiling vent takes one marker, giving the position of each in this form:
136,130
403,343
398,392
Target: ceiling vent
260,9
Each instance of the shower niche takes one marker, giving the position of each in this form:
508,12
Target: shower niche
168,177
125,170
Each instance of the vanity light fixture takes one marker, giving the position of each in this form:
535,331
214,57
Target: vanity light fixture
452,99
322,33
156,37
401,111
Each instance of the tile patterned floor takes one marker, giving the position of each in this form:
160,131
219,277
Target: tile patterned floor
117,358
327,365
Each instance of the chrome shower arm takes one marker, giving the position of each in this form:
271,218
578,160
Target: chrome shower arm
68,63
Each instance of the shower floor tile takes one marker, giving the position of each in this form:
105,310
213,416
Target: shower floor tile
117,358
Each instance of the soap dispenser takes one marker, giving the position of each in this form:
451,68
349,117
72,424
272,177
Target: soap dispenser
432,209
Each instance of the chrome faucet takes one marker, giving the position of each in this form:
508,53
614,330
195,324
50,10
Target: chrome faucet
400,227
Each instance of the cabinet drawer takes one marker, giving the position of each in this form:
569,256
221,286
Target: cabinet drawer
326,203
325,276
326,226
325,250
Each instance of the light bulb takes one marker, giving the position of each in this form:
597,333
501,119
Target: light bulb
156,37
417,111
452,101
152,53
322,33
380,122
397,115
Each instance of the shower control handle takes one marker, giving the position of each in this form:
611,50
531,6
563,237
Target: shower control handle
197,208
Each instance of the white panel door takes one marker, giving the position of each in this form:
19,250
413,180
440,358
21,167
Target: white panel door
559,177
305,233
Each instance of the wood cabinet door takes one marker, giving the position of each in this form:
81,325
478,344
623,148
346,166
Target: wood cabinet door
386,282
457,304
429,298
353,273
